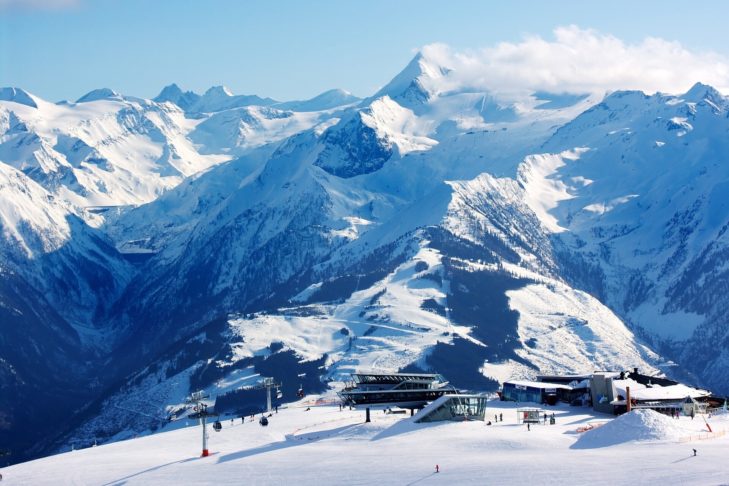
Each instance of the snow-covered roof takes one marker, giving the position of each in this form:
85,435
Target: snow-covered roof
538,384
564,377
656,392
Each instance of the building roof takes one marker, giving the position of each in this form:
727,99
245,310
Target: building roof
656,392
538,384
566,377
364,378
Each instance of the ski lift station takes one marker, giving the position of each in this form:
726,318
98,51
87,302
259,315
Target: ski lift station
534,391
404,390
612,392
454,407
429,392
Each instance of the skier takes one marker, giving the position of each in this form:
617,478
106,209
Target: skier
437,469
528,428
545,418
501,417
694,452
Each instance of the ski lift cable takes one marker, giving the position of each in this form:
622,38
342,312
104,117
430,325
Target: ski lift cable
139,413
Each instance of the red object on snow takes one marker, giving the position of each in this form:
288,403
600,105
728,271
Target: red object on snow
205,453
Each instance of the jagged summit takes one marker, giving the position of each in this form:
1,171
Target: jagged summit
18,95
219,98
700,92
174,94
100,94
417,83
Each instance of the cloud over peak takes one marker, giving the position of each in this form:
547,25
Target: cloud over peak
580,60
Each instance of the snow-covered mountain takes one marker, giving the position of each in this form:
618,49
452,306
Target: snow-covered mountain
58,278
104,150
644,204
433,225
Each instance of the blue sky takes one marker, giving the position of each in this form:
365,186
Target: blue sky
61,49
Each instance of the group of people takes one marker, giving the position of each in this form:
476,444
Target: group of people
674,413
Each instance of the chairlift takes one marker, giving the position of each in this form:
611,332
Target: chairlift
217,426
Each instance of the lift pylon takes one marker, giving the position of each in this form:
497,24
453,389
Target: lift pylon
200,411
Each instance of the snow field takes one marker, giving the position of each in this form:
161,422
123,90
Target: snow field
327,446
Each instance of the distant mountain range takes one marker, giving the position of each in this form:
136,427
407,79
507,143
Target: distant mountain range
154,247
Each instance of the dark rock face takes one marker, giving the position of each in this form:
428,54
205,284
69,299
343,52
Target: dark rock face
353,148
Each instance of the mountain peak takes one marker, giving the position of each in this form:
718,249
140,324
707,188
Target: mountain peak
174,94
17,95
218,91
329,99
700,92
170,90
218,98
417,83
99,94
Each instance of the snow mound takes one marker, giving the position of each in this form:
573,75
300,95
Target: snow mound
637,426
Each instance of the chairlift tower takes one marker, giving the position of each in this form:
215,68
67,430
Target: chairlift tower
200,411
269,384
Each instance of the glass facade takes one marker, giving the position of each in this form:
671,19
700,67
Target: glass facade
518,393
458,407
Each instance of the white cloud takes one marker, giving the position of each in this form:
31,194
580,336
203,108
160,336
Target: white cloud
25,5
580,61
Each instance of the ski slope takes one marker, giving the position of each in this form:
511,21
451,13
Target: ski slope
319,445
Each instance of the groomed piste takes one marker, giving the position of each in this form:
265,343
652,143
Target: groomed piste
307,444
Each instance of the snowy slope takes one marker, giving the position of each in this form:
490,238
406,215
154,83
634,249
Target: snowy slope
239,129
57,277
106,150
333,98
47,242
323,445
642,200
